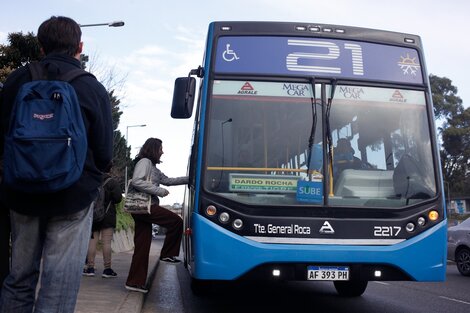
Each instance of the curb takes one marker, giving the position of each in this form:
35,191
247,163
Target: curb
110,295
134,301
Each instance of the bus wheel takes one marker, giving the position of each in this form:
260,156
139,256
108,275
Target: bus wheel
200,287
354,288
462,258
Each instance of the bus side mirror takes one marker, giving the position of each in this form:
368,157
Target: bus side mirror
183,97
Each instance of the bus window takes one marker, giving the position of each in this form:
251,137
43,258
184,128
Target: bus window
258,140
391,141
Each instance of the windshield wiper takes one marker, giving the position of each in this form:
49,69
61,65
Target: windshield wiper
329,140
311,138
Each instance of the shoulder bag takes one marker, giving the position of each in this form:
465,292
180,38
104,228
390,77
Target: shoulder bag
137,202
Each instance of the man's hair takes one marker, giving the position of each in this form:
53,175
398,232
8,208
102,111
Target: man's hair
59,34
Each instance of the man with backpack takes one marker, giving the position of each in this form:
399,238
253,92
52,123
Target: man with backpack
51,203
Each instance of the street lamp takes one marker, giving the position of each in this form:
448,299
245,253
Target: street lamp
111,24
83,57
448,202
127,136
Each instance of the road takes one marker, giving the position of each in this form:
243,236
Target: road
170,292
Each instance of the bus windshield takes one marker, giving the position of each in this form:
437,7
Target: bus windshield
267,144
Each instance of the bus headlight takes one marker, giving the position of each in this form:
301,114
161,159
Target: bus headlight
421,221
237,224
410,227
224,217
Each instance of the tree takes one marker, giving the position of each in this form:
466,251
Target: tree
22,49
112,82
456,152
444,97
121,152
454,133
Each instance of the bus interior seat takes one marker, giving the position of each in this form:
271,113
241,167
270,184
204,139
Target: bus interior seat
365,183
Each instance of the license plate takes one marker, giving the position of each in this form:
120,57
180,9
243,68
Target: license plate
327,273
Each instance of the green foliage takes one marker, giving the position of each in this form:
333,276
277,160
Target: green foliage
120,149
444,97
21,50
455,135
123,220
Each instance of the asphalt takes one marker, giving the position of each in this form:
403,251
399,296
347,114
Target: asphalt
109,295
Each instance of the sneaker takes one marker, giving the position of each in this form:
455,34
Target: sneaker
170,259
137,288
108,273
89,271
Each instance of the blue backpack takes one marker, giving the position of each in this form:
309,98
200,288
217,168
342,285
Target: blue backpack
46,143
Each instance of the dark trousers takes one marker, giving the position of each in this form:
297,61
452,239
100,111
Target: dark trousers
4,244
143,239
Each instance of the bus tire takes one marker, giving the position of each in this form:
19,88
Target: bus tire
462,259
200,287
353,288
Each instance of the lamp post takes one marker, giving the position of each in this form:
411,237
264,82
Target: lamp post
127,142
110,24
83,57
448,202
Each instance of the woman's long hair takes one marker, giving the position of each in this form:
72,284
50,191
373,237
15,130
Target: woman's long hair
150,150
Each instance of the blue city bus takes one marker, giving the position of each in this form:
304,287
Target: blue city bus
314,158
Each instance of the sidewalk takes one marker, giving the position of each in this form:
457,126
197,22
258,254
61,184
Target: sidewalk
105,295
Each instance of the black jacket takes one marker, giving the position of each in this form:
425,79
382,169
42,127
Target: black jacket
96,113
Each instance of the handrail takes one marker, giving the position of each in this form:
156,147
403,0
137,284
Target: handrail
257,169
254,169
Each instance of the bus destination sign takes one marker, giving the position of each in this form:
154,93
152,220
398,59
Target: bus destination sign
317,57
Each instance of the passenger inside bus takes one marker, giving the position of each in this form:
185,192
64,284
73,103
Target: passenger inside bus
356,178
343,158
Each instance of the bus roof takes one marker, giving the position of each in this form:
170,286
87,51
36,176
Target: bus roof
315,50
233,28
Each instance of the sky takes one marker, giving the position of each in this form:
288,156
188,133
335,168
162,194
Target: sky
163,40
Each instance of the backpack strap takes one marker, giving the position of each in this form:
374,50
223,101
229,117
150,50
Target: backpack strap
106,181
104,184
37,70
107,208
71,75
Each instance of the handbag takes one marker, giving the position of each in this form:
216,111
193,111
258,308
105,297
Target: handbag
137,202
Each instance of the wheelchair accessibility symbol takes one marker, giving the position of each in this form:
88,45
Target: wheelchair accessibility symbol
229,55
